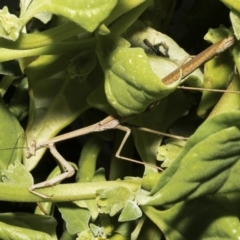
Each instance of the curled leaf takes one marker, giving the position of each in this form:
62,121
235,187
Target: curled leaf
130,83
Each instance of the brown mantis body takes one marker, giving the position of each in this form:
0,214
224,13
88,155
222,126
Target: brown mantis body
114,122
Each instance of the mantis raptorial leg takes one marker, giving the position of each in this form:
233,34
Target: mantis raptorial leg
106,124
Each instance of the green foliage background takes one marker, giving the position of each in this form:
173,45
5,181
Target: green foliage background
66,60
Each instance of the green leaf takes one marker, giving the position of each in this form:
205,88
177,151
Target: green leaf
96,230
44,17
27,226
232,4
98,99
112,200
81,65
218,72
17,174
215,35
85,235
235,19
139,31
224,69
10,68
228,102
24,6
87,166
76,218
88,14
150,180
11,139
149,231
123,230
10,25
169,152
130,83
88,159
60,106
160,119
130,212
203,218
208,164
104,228
20,100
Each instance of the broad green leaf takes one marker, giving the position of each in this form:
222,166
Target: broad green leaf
208,164
130,212
12,137
203,218
64,100
114,199
17,174
76,218
130,83
88,14
27,226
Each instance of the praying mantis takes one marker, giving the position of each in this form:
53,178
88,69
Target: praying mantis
114,122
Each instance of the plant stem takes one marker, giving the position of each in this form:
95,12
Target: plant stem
57,48
61,192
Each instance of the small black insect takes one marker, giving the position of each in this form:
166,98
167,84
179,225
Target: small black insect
156,48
